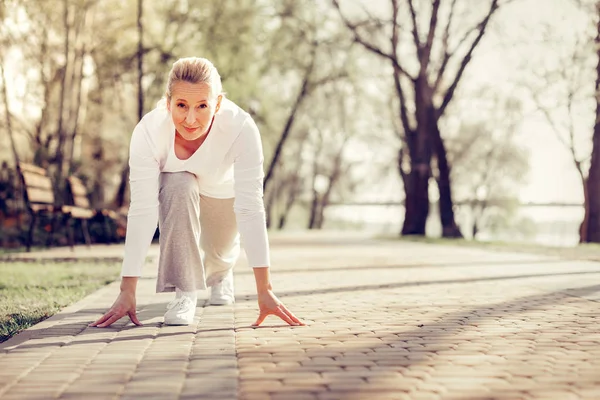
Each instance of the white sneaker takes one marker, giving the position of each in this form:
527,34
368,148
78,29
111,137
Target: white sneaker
181,311
221,294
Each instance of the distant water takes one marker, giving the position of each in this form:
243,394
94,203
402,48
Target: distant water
546,225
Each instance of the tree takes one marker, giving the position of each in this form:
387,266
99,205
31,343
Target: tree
559,87
331,166
53,43
569,81
489,166
323,47
425,81
592,228
488,172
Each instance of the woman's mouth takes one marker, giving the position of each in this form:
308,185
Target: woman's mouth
190,130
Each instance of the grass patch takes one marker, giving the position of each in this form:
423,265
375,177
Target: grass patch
32,292
587,251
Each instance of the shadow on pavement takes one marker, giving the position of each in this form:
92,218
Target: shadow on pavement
456,359
480,263
397,285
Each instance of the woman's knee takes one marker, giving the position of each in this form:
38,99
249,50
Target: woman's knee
222,250
179,186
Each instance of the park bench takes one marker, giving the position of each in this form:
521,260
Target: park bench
39,200
78,197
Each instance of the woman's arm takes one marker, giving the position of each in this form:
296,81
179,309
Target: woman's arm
142,217
141,225
250,215
248,187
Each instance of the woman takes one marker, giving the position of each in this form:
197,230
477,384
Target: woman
196,167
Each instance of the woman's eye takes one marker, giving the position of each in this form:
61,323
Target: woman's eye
203,106
181,105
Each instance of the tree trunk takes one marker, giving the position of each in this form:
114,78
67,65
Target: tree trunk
416,204
334,176
17,182
286,211
321,213
78,62
97,195
122,189
140,59
314,206
60,130
271,197
121,195
593,181
593,190
293,192
282,221
583,228
449,227
8,118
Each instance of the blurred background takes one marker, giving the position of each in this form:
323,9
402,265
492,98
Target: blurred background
454,118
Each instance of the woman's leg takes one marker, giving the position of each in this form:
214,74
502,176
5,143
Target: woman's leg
180,264
220,242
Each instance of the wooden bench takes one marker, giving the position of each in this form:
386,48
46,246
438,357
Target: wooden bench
39,199
78,198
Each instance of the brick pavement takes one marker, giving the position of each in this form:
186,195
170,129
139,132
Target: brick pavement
387,320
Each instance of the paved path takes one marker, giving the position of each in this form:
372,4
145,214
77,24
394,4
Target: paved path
387,320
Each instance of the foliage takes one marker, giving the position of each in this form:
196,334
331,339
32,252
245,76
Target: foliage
489,166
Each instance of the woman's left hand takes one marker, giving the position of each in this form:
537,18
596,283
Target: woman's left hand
269,304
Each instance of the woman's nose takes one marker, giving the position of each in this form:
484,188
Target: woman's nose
191,117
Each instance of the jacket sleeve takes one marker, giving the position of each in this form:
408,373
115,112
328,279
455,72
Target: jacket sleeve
142,217
248,187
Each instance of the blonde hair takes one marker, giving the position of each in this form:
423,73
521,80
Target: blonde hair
195,70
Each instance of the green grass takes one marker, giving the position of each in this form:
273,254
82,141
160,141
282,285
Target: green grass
21,249
32,292
588,251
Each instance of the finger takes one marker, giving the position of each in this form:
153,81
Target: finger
291,315
284,317
110,321
101,319
133,317
261,318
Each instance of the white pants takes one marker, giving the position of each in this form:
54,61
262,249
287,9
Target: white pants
199,240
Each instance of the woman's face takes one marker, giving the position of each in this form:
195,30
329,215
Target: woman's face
192,109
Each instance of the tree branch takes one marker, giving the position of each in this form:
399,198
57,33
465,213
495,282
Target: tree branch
463,65
415,29
430,36
397,81
304,90
359,39
447,53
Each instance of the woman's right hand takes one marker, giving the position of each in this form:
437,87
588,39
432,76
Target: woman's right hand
124,305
